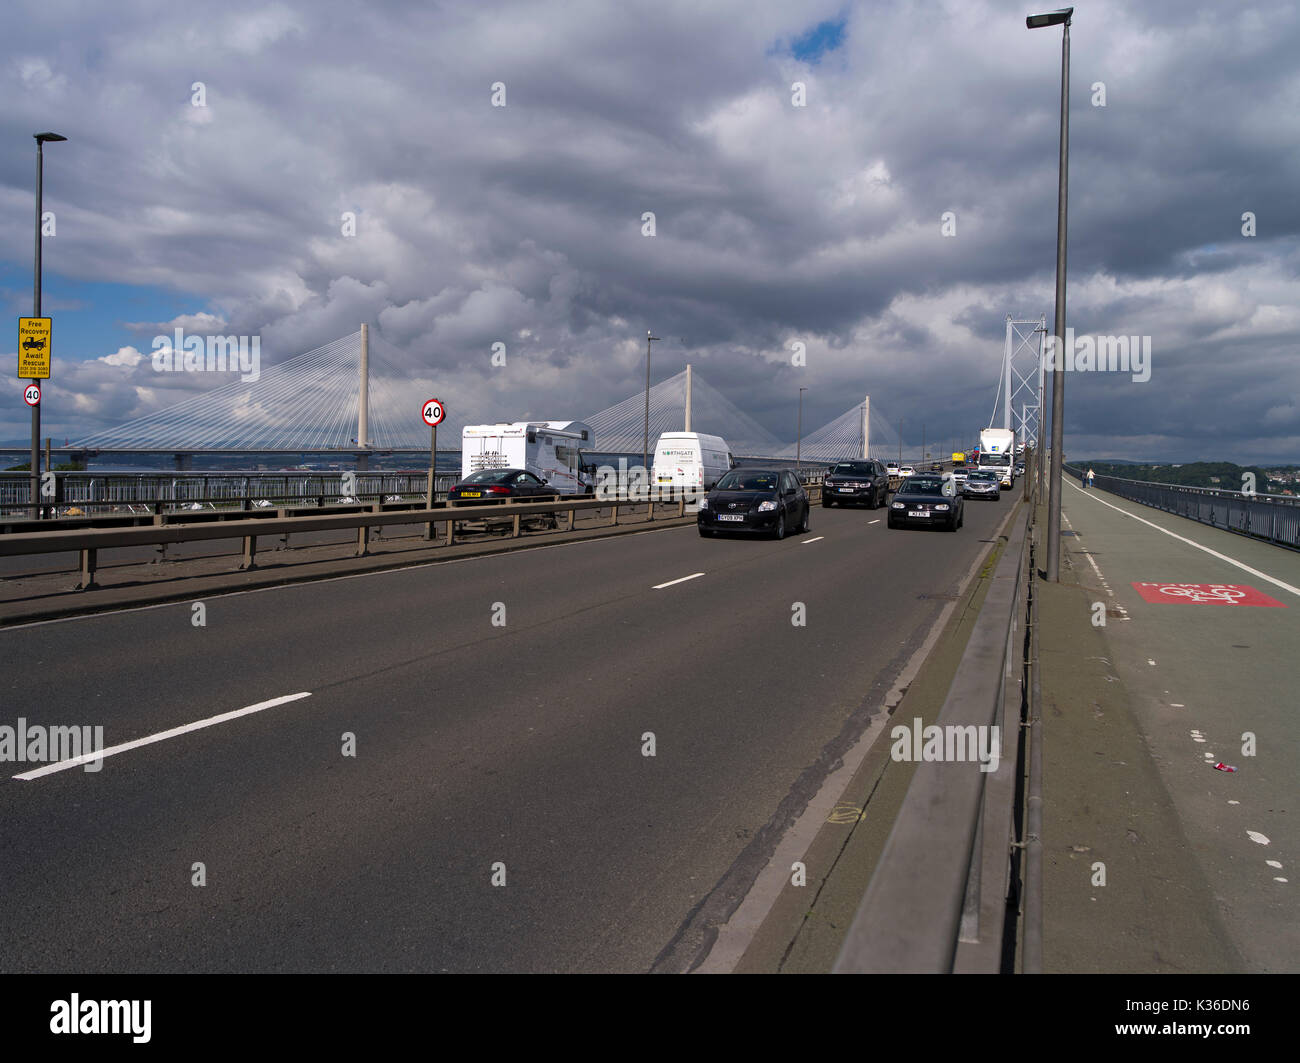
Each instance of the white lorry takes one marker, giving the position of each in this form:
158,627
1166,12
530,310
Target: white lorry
690,461
551,450
997,453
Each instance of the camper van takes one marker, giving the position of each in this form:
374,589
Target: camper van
690,460
551,450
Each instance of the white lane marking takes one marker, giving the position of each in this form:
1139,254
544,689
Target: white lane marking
876,521
1279,880
1190,542
86,758
817,540
1274,863
671,582
1256,837
1234,802
1151,662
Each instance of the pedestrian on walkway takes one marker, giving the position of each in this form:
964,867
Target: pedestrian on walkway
1083,478
1091,476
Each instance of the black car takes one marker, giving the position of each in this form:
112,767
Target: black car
770,501
927,499
852,482
492,485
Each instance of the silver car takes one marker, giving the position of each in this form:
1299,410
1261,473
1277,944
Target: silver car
982,485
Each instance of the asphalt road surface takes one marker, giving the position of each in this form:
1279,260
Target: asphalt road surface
511,750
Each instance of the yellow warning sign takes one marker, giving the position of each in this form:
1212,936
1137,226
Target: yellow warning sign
34,348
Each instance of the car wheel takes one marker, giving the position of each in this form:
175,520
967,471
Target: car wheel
806,527
891,522
952,524
705,533
780,525
826,502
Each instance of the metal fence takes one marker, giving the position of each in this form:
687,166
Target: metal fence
1272,518
126,492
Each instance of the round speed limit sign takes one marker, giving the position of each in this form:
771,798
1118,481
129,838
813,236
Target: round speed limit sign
433,413
32,396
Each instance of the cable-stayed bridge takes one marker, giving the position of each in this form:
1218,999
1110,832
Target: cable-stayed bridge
343,400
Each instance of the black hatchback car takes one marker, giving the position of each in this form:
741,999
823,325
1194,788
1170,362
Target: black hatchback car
853,482
491,485
927,499
770,501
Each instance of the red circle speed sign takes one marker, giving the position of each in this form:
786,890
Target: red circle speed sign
32,396
433,413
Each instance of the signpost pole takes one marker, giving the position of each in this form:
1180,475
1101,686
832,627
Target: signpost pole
433,413
36,312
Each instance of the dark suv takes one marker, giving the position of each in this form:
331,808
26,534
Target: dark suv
855,482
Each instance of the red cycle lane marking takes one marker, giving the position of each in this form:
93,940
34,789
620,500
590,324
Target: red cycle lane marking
1206,594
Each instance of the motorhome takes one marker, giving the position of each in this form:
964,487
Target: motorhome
997,449
551,450
690,460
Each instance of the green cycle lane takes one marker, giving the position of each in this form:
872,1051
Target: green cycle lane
1157,860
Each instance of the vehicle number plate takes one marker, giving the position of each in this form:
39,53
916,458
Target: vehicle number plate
845,490
917,513
471,494
730,516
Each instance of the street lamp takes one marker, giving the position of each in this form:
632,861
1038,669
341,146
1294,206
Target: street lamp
1033,22
41,139
798,447
645,440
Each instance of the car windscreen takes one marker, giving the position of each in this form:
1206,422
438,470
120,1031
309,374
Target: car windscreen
491,476
738,480
853,468
918,485
988,476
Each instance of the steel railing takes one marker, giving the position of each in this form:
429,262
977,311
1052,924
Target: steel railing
1271,518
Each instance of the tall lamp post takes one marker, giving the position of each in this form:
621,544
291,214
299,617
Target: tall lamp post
645,440
41,138
798,447
1033,22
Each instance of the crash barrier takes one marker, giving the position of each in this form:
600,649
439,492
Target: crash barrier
87,542
937,901
1271,518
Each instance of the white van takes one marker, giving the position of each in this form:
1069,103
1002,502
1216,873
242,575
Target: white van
690,460
553,451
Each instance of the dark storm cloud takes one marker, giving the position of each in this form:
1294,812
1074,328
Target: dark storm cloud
821,224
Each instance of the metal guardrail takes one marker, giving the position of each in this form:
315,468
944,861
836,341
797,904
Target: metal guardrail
937,900
87,542
1271,518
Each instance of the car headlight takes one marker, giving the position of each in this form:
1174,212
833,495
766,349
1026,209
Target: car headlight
942,507
898,505
766,507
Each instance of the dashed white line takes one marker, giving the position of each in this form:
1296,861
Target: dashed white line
817,540
1256,837
197,725
876,521
672,582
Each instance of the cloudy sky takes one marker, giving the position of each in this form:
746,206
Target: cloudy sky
215,153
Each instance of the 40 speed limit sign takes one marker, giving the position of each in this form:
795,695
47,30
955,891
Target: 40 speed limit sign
433,413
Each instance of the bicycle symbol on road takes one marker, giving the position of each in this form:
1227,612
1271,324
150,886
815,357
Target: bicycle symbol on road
1219,595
